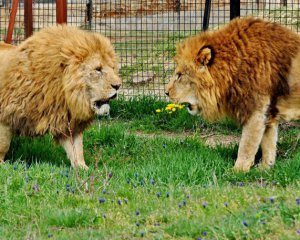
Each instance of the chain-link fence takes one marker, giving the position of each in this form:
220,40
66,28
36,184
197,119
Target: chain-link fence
145,32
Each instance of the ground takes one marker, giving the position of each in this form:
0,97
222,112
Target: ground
151,176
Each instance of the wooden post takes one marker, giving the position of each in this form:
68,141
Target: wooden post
61,11
28,18
12,19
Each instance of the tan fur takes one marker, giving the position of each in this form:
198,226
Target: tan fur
52,83
250,71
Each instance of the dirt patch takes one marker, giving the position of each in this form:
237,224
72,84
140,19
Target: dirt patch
211,140
220,139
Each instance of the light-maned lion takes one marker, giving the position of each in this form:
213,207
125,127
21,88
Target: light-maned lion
250,71
55,82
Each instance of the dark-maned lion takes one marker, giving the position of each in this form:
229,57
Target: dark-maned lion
55,82
250,71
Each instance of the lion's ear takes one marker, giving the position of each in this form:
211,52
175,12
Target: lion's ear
205,56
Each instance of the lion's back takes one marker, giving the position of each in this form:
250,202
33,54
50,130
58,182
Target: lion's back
252,58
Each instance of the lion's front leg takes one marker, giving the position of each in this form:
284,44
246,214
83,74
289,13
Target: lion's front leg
74,149
251,137
268,145
5,139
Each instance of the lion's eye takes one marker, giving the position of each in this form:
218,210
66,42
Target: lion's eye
99,69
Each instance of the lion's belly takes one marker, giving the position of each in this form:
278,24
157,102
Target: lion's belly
289,107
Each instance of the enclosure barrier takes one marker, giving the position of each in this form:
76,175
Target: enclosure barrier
144,32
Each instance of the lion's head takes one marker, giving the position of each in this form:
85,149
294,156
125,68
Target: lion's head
96,82
192,83
84,62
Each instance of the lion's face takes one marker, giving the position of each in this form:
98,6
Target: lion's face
102,84
189,84
96,83
182,90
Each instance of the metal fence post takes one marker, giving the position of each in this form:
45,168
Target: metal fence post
61,11
28,23
89,13
235,8
206,15
12,19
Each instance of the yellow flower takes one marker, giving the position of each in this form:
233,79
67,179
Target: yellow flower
171,105
181,106
158,110
168,108
173,109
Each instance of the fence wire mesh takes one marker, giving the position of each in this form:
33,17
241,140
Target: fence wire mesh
145,32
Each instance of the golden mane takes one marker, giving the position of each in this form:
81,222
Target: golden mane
236,68
41,62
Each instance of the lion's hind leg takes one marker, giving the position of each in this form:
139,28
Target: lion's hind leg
5,139
268,145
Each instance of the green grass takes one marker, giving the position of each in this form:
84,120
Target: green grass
181,188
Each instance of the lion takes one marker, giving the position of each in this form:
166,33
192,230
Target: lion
56,82
249,71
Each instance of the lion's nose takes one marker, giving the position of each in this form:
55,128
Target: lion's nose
116,86
167,93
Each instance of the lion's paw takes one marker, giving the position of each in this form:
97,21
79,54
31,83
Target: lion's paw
242,167
263,167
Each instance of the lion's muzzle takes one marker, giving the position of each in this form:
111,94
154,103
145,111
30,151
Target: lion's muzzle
101,107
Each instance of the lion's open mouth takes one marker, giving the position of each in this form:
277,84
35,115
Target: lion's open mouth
188,105
99,103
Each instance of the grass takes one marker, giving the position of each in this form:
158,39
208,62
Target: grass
152,185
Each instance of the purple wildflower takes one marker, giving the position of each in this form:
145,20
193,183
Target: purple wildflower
262,222
137,213
36,187
204,204
245,223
